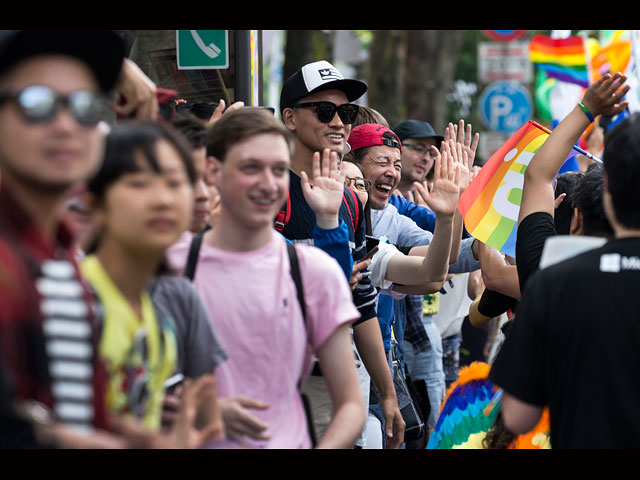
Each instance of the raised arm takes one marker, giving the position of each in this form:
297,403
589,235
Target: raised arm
602,97
323,193
443,199
464,148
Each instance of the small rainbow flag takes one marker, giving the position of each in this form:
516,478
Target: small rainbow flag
561,58
491,203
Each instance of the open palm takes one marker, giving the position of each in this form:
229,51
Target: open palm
444,195
325,190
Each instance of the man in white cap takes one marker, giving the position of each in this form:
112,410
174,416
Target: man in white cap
316,106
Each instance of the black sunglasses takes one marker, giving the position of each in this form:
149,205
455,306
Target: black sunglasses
327,110
40,104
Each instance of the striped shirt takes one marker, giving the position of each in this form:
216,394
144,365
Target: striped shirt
48,333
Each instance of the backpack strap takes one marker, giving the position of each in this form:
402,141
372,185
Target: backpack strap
297,279
353,207
194,251
283,215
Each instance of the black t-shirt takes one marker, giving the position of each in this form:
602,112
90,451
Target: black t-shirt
574,346
532,232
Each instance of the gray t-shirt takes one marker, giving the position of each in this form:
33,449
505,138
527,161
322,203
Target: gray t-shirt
199,350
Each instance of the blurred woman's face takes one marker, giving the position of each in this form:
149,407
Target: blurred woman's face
355,180
147,211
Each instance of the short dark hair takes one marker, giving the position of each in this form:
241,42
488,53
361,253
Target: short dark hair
238,125
369,115
565,183
193,128
621,160
587,198
123,142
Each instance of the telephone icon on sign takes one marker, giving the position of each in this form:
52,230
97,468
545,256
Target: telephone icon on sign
210,50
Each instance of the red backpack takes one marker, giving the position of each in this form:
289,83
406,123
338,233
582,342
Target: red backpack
352,205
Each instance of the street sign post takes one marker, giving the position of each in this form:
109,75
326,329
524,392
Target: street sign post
202,49
504,106
504,61
504,35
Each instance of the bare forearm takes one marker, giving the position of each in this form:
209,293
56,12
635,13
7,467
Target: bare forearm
435,265
548,160
519,417
408,270
456,236
349,414
347,418
496,274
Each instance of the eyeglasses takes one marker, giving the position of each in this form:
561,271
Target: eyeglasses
360,183
40,104
327,110
420,148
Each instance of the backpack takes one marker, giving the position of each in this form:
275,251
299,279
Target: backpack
190,270
349,197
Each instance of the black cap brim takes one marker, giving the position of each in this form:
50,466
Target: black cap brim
101,50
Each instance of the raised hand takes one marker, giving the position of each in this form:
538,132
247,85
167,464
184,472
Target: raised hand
325,190
220,110
444,195
469,144
605,96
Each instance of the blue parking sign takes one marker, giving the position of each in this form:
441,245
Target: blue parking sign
504,106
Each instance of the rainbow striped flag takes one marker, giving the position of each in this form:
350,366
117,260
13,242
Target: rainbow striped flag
562,58
491,203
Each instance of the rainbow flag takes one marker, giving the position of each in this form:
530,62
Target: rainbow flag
491,203
612,58
564,59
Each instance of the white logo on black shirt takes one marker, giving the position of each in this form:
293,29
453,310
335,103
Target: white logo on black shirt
614,262
610,262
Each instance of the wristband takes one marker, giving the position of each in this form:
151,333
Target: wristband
586,111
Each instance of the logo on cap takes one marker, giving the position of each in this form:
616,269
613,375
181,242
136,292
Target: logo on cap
329,74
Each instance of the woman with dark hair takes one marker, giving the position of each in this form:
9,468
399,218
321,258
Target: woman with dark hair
141,200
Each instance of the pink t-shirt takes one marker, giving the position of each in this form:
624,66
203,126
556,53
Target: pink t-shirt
254,308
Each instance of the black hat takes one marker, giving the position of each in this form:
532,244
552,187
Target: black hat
416,129
101,50
315,77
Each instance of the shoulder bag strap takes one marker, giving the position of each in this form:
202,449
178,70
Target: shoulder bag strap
297,279
194,251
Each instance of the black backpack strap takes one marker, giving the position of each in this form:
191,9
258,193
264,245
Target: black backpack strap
194,251
297,279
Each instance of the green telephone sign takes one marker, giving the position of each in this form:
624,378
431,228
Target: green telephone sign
201,49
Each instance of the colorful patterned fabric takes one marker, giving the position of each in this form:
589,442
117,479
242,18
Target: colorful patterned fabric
469,412
139,352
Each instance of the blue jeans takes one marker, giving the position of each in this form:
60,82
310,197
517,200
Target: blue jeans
427,366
